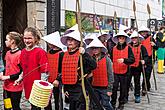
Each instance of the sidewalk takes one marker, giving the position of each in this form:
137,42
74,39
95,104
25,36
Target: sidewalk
157,97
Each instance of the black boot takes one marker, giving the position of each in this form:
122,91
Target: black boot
120,107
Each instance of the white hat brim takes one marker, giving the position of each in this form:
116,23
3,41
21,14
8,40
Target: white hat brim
75,35
121,33
96,43
54,39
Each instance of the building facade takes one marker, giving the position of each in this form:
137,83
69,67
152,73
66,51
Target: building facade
123,8
94,11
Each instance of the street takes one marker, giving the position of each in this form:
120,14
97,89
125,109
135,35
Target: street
156,97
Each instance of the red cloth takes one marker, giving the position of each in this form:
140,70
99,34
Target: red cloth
136,51
31,60
119,68
69,68
147,45
53,63
12,61
100,77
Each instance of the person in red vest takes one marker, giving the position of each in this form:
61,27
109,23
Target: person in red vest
12,70
148,43
54,54
122,56
141,56
71,75
103,75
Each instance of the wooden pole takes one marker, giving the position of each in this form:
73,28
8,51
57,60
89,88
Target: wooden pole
81,60
149,13
115,18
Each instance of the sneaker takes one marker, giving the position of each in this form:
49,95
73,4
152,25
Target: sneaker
137,99
120,107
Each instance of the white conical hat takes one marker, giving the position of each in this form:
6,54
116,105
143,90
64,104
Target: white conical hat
75,35
96,43
143,28
121,33
54,39
123,27
90,36
135,34
106,35
73,28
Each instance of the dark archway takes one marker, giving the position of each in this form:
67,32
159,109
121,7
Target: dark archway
14,17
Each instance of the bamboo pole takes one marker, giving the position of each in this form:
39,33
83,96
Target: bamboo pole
149,13
81,60
114,18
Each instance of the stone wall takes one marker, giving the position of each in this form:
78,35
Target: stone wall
36,14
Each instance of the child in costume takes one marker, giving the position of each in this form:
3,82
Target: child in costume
122,56
54,54
103,75
141,56
148,43
71,69
12,70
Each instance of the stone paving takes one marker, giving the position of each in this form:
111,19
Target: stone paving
157,98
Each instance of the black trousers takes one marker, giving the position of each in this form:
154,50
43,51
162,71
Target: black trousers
148,70
122,80
15,99
76,97
135,72
56,100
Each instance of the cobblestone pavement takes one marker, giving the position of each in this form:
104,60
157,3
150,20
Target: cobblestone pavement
157,97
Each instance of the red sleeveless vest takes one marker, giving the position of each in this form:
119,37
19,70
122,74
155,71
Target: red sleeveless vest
147,45
100,77
136,51
53,64
69,68
119,68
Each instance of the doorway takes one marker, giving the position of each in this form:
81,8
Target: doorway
14,18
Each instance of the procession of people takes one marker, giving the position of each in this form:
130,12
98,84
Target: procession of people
109,63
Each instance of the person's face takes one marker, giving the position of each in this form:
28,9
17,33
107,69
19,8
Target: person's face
72,43
121,39
8,41
53,47
134,40
96,50
29,39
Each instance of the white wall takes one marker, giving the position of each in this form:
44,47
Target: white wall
123,8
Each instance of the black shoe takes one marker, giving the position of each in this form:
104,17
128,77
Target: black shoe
114,107
125,100
144,92
120,107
